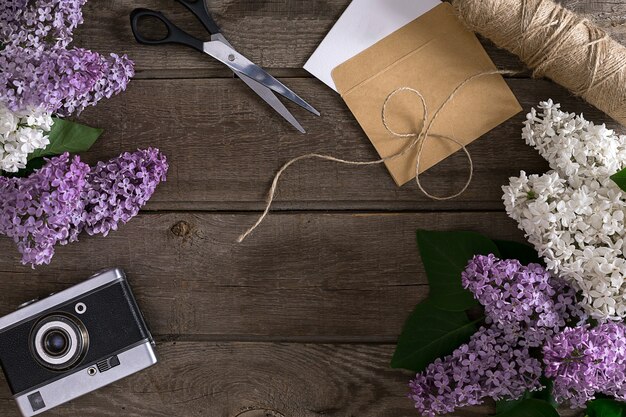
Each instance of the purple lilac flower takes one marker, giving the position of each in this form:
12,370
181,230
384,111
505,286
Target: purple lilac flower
527,298
43,210
524,306
492,364
584,361
64,81
37,69
57,202
35,23
117,189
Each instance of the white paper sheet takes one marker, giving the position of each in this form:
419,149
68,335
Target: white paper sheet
364,23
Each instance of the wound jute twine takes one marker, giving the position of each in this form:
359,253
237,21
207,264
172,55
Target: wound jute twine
552,41
556,43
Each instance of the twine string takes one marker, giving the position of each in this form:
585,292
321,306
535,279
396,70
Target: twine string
550,39
417,139
556,43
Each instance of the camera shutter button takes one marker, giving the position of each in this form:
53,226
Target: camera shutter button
27,303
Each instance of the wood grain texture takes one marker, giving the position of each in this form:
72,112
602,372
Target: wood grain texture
224,147
307,276
257,380
272,33
300,320
254,380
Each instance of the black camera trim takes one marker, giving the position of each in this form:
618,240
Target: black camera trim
113,319
115,342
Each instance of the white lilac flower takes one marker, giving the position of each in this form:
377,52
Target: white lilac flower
8,121
574,215
21,133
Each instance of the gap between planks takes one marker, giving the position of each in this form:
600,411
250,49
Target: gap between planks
295,340
213,73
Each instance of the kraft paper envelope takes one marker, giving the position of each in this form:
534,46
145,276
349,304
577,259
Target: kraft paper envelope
433,54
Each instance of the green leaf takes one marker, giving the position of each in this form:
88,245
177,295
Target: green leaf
546,393
67,136
530,407
430,333
605,407
513,250
445,255
620,179
503,406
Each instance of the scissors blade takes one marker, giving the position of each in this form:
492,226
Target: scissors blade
268,96
240,64
262,91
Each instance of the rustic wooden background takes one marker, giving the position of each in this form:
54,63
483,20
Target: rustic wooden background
301,319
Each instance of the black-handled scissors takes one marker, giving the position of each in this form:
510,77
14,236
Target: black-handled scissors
219,48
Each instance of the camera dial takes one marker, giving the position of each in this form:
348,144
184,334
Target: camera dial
59,341
27,303
80,308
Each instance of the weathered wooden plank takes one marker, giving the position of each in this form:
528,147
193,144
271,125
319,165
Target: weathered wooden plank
224,146
272,33
303,276
307,276
610,15
254,380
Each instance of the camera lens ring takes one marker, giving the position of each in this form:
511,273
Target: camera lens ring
40,342
68,327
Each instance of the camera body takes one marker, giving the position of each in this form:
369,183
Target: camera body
74,342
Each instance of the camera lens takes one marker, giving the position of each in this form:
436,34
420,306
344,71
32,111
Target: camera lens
56,342
59,341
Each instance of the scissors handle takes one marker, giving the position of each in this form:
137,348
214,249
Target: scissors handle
199,9
174,33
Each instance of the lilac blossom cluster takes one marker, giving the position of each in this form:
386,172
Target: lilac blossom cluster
38,69
575,214
43,209
40,22
524,306
66,197
584,361
492,364
525,298
119,188
22,133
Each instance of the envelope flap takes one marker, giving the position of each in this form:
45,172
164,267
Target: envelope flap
433,55
412,37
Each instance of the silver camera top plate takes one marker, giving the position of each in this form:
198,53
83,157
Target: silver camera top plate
98,280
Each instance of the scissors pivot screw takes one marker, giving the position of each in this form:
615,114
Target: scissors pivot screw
231,57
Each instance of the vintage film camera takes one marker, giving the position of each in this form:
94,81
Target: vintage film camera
74,342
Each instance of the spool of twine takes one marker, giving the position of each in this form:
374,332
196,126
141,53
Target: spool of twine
556,43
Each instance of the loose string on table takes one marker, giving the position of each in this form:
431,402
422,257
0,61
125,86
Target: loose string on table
417,139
